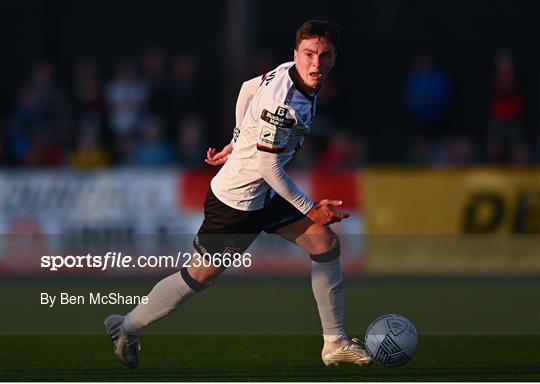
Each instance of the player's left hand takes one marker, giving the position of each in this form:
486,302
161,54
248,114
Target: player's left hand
325,212
213,157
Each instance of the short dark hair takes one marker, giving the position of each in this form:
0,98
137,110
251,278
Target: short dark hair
318,28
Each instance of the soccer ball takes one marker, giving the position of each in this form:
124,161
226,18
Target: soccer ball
391,340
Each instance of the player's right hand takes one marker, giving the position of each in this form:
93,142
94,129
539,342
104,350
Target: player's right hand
324,212
213,157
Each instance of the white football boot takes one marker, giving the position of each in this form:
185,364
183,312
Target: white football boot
125,346
351,351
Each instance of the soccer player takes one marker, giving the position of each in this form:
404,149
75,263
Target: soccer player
253,193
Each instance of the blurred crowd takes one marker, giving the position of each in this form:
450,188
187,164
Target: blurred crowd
143,115
438,141
150,113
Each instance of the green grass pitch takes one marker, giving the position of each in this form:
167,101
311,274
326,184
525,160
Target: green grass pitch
262,358
267,330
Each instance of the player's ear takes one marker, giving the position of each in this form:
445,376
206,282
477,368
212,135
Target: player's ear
295,54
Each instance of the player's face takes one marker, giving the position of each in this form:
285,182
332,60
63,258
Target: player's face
314,59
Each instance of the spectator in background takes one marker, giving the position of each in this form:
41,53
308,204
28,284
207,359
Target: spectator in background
126,96
89,153
422,152
88,92
520,154
507,100
27,117
504,138
459,151
89,103
190,141
343,152
427,96
494,150
38,120
153,66
50,98
152,149
124,150
44,150
185,91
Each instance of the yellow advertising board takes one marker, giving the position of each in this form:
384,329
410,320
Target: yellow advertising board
452,222
451,201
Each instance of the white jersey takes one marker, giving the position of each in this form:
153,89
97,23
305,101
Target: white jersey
273,116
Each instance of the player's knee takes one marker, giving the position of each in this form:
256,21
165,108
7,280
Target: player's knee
321,239
326,256
332,241
324,243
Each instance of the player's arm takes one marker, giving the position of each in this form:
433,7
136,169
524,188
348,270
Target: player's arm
274,131
275,176
323,212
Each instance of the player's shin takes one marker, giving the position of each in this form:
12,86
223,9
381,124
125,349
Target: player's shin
327,285
166,296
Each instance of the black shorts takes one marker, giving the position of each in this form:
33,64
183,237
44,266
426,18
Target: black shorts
229,230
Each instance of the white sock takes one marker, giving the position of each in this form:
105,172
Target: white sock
327,286
166,296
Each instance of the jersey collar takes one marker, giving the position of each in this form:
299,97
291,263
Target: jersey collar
295,77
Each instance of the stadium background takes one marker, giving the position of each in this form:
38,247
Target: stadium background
428,130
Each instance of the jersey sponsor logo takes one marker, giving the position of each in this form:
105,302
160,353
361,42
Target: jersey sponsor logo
268,135
277,118
276,137
276,130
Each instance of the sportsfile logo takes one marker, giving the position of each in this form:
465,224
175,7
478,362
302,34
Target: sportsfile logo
118,260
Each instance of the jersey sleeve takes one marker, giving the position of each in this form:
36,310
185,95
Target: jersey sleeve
245,96
275,176
274,126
